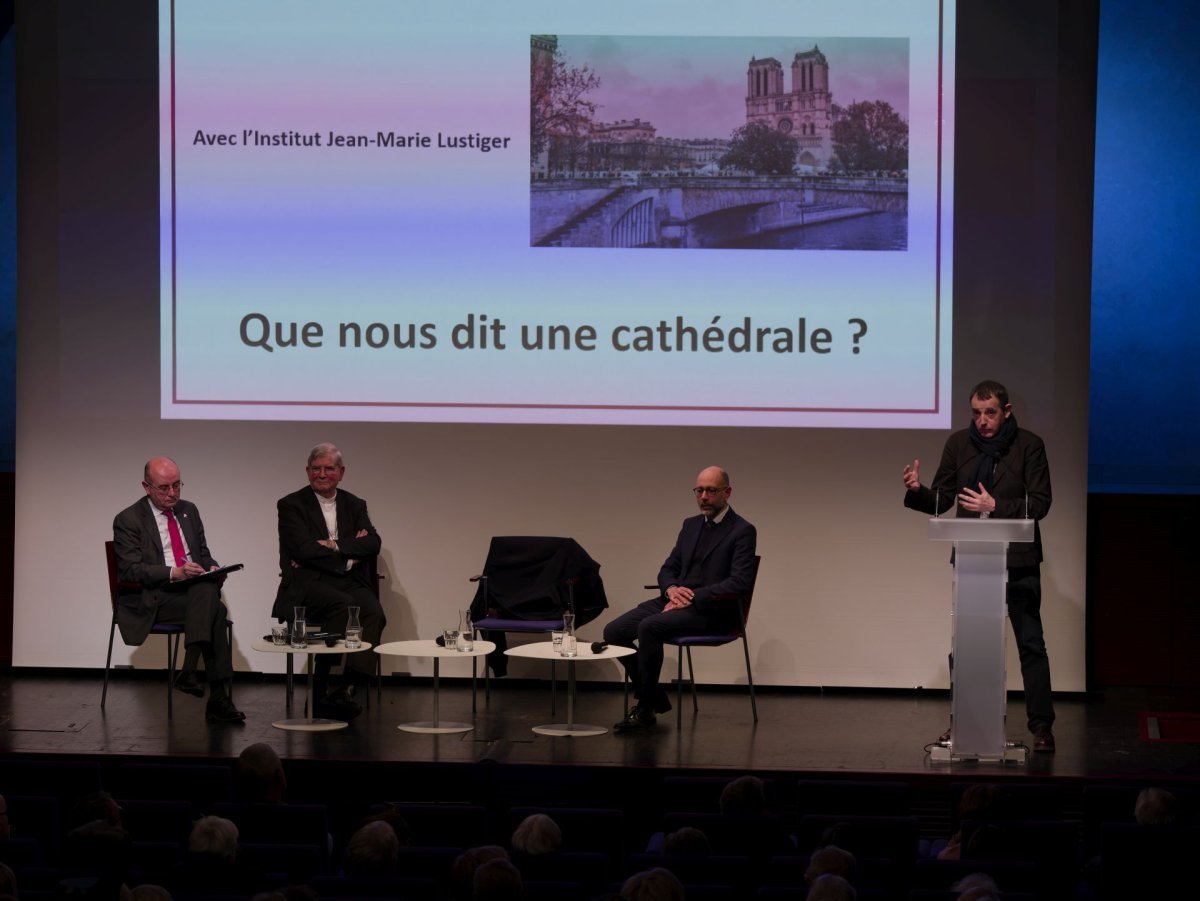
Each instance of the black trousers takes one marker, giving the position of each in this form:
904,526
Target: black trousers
327,603
203,615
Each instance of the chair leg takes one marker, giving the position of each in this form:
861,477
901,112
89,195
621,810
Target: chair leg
172,657
108,662
229,642
692,680
679,688
749,678
290,682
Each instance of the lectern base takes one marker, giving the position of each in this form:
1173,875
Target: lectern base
1013,753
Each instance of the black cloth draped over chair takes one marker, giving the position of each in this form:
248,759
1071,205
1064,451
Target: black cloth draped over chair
528,582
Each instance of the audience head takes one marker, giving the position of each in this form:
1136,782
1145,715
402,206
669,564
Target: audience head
214,837
497,880
149,892
462,873
979,801
95,806
395,819
744,796
537,834
102,850
372,850
1155,807
831,888
830,860
976,887
653,885
258,775
687,840
8,881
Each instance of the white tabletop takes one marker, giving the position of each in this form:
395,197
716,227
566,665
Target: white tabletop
314,647
544,650
428,647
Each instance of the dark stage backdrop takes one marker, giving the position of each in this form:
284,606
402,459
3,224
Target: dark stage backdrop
850,592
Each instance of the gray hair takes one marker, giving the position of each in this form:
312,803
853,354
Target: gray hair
325,449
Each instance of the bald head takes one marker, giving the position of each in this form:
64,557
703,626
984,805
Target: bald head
161,482
712,491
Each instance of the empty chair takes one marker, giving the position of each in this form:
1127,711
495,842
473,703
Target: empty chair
527,583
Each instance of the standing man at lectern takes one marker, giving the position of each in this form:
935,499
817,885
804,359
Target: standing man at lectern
994,468
713,559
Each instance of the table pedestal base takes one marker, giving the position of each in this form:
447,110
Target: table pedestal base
314,725
569,730
435,728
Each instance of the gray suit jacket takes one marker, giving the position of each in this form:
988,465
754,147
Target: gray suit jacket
140,559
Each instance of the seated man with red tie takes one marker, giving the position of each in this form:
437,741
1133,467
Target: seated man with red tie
159,542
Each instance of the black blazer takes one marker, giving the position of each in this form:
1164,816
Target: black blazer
140,558
1021,474
727,569
301,526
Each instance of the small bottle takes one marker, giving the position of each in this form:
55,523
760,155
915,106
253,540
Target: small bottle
466,632
353,629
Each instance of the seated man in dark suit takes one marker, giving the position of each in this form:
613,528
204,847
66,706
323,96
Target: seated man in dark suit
711,563
160,528
326,544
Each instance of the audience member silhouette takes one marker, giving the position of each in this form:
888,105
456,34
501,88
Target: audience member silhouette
462,872
653,885
1155,807
497,880
372,851
978,802
687,841
212,859
258,775
830,860
976,887
537,834
831,888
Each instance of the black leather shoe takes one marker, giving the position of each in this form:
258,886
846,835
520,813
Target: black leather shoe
636,720
189,684
1043,741
339,704
221,710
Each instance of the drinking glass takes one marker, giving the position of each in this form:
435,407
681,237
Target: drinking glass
299,639
279,634
450,636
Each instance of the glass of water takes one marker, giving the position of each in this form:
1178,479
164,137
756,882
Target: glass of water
299,635
556,638
279,634
353,629
450,636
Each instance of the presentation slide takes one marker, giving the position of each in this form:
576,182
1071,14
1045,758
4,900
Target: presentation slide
625,213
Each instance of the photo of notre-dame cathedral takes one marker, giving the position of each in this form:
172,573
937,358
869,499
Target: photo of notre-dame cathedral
804,113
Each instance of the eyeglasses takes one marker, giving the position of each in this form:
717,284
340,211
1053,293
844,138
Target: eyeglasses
164,489
323,470
700,492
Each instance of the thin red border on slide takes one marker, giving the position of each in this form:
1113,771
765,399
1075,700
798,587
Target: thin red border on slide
176,400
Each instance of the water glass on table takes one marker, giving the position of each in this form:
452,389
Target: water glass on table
279,634
556,639
450,637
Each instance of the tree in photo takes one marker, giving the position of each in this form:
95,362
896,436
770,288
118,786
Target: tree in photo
559,110
760,149
870,135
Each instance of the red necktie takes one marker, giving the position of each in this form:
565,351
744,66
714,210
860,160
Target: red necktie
176,538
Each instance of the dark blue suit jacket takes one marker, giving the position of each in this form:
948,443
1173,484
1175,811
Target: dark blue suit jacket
727,569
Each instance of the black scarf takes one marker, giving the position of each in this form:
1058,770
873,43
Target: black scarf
990,452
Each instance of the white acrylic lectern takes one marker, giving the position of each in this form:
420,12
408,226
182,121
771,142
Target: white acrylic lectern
977,678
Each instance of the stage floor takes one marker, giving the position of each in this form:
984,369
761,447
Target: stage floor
872,734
